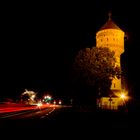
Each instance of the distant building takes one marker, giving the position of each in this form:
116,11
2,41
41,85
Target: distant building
111,36
112,103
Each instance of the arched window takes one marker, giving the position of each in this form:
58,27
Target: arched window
114,85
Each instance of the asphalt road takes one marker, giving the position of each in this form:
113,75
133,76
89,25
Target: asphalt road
70,123
28,114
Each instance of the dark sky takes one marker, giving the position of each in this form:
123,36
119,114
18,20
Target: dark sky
40,40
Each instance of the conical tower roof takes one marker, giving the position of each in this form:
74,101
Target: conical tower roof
110,24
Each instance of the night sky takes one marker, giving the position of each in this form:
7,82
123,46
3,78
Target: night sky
39,42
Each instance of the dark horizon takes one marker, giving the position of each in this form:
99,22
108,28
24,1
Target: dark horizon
40,44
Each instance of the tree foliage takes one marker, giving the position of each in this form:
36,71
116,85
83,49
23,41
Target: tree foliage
96,67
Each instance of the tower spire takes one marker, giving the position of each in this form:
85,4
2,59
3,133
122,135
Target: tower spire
109,15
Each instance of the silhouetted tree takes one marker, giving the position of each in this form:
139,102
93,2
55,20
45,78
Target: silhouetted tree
96,67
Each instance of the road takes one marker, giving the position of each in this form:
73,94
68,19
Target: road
64,121
27,116
19,112
26,112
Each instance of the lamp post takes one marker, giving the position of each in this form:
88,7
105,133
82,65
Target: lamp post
110,100
124,97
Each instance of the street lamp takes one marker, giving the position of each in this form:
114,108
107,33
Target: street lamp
60,102
47,99
124,97
110,100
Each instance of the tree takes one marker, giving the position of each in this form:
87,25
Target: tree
28,96
96,67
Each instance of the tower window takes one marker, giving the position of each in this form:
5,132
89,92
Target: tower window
107,39
114,85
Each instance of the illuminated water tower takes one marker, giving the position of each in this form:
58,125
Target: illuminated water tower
111,36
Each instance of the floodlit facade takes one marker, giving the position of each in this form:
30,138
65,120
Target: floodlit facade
112,103
111,36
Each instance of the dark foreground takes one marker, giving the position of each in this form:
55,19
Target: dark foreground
71,123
